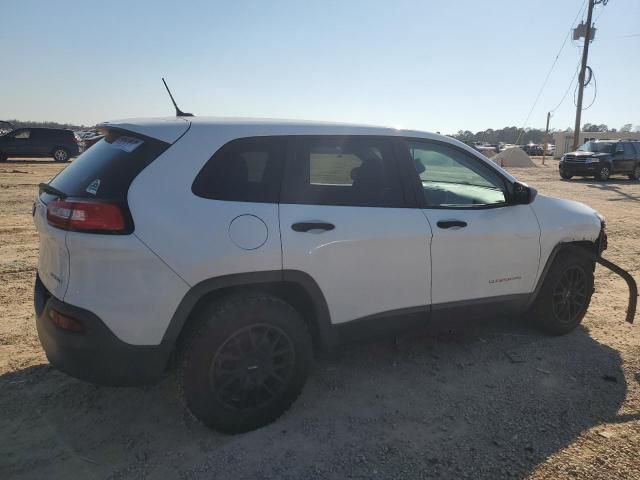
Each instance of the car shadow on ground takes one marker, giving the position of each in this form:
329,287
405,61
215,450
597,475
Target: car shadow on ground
624,196
31,161
597,183
458,400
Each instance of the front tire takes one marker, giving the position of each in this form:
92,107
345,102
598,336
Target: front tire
60,155
566,176
246,362
603,173
566,292
3,157
635,175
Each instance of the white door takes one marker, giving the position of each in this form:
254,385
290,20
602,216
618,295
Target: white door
344,222
483,246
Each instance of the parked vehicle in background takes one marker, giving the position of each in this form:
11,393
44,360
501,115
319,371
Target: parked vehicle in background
274,238
484,147
601,159
58,143
91,140
533,149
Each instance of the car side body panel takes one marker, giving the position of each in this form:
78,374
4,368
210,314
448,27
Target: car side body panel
121,281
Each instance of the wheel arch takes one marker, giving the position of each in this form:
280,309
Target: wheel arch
294,287
608,162
590,246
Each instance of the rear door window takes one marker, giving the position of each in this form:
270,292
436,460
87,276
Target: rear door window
357,171
628,149
22,134
107,169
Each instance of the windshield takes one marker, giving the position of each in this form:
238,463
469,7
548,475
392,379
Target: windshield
597,147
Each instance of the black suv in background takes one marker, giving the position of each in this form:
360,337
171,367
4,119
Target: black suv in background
603,158
58,143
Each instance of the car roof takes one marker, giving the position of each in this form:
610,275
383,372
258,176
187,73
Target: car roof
169,129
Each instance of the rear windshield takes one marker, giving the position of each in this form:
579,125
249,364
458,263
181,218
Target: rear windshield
107,169
597,147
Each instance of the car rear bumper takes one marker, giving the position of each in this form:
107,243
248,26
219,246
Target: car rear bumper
96,354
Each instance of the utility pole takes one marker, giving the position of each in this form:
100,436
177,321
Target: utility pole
583,68
546,138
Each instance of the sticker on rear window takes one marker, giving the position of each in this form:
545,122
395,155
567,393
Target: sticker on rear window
128,144
93,187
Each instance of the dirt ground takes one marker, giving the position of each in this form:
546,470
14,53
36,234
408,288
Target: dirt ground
467,400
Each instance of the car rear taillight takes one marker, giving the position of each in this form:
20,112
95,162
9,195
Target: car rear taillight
65,323
86,216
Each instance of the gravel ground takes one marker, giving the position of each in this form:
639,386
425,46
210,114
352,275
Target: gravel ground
467,400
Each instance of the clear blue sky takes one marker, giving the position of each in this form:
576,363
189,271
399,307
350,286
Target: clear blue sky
432,65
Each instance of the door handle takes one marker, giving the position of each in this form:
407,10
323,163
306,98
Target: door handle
306,226
451,224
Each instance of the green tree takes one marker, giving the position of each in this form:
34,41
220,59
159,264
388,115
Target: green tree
592,127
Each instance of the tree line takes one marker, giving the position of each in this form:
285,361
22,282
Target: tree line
529,135
24,124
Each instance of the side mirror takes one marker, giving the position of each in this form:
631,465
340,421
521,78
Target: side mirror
523,194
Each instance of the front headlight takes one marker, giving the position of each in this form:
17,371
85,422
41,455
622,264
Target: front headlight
562,159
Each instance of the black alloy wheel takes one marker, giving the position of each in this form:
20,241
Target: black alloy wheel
252,367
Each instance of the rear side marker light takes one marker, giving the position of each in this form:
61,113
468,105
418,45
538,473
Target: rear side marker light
65,323
85,216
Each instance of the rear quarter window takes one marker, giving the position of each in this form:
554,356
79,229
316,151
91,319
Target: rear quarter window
243,170
107,169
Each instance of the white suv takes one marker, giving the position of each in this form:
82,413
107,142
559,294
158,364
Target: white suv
243,245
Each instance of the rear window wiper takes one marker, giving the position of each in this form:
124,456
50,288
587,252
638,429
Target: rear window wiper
46,188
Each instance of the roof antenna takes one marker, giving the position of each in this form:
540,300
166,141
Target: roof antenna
179,113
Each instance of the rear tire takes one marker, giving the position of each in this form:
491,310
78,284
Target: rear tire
603,173
246,362
60,155
566,293
635,175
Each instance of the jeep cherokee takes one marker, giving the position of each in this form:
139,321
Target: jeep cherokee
243,245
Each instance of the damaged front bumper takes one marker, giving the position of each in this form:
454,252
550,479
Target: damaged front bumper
631,283
601,245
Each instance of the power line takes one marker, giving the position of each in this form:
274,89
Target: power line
566,92
592,75
546,79
595,93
